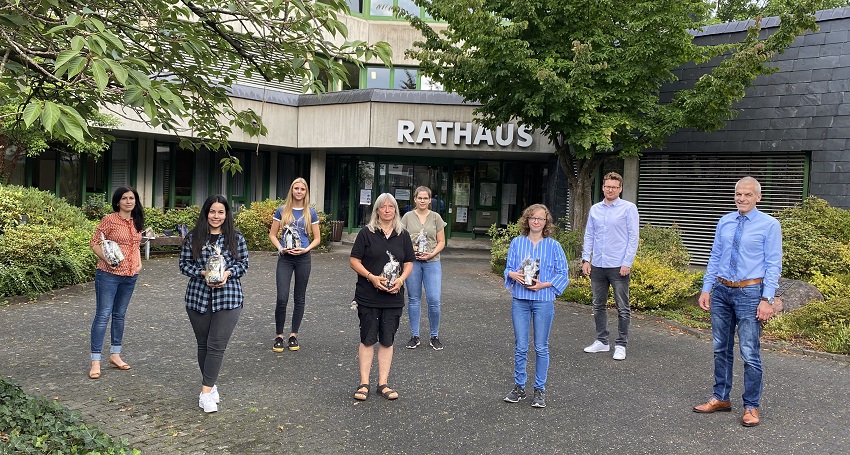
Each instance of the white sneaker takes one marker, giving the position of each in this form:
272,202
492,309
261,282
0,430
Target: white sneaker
619,353
207,401
215,394
597,346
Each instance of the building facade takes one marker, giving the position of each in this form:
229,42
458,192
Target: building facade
391,130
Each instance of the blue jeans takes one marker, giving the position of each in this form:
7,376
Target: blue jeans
600,279
113,294
287,265
429,274
523,314
731,307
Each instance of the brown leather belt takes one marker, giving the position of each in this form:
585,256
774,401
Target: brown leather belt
740,284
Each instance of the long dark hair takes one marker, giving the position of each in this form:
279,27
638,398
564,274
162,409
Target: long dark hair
200,234
137,213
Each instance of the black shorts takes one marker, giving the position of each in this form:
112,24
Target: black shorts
378,324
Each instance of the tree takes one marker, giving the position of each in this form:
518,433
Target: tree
739,10
169,63
588,73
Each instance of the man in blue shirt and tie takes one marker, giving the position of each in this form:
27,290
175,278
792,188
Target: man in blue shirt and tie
739,286
610,244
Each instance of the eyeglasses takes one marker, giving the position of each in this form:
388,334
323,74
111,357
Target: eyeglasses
610,188
534,218
422,198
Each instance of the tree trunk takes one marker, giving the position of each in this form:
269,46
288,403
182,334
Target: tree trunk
580,174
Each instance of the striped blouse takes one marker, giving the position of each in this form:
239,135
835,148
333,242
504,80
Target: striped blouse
553,267
124,233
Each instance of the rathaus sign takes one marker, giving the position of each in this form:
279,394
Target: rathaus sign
444,133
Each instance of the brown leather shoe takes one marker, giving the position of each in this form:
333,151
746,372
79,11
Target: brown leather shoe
713,405
750,418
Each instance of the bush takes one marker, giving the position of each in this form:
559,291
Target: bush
159,220
578,291
36,425
500,239
656,286
825,324
831,222
815,238
664,245
97,207
831,286
49,251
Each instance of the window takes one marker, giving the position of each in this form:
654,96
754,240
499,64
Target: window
377,77
398,78
405,79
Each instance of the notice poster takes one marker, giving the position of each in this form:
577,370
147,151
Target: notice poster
365,197
462,194
402,195
461,215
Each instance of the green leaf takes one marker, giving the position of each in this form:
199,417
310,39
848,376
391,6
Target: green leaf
64,57
50,115
53,30
100,76
72,128
76,65
73,20
31,113
118,71
77,43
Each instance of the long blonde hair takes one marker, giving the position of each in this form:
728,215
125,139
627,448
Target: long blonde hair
379,202
286,217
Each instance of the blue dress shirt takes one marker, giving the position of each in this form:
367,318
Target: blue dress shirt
760,251
612,234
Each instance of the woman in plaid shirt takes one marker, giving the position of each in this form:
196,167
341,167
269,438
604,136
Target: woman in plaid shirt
213,307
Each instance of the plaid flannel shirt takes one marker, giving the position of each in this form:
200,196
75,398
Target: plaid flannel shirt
199,296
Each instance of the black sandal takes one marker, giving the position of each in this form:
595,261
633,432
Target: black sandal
387,392
359,395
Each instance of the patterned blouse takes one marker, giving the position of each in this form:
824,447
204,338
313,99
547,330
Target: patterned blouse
124,233
199,296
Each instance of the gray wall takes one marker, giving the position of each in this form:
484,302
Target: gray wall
804,106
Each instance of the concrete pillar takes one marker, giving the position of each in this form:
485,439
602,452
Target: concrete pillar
631,171
318,165
145,170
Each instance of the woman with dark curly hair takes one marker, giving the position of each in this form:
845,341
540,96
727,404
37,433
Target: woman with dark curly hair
536,272
116,243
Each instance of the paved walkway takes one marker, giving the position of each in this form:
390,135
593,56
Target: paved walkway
451,401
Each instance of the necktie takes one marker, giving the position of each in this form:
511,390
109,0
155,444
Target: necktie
736,246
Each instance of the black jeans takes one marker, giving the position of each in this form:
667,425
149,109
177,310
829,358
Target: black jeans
600,280
288,264
212,331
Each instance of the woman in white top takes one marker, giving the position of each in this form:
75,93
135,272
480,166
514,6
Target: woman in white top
427,231
294,257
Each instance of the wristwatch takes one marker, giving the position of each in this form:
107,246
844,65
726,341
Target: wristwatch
769,300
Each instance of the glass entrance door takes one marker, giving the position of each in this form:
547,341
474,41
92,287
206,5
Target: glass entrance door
459,211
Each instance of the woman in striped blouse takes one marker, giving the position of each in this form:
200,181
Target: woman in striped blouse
535,273
114,282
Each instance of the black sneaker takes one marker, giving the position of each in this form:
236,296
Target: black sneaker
539,400
293,344
518,393
414,341
435,343
278,344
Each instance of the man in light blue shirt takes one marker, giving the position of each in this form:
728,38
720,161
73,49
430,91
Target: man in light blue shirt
738,289
610,244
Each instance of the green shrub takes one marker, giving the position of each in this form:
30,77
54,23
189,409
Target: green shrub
663,244
578,291
831,222
815,238
806,250
500,239
160,221
37,425
831,286
49,251
655,285
97,207
825,324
